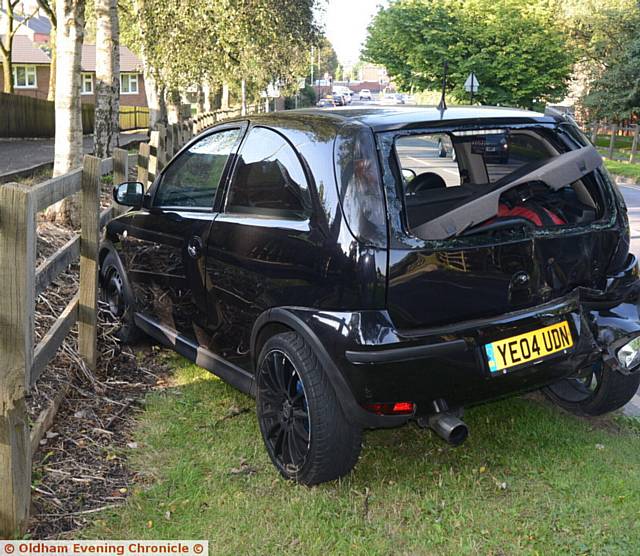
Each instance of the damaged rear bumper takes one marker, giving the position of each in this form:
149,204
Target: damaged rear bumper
382,364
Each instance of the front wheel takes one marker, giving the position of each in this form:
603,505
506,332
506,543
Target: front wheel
596,392
114,295
304,429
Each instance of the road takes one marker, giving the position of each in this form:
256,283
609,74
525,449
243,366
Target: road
20,154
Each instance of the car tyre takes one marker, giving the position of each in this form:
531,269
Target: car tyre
602,391
115,295
305,431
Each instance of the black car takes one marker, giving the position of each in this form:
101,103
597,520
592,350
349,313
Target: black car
296,256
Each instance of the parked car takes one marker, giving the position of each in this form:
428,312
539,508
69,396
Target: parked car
326,102
496,148
294,256
338,99
365,94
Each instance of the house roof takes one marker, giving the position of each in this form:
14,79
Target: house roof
25,52
37,23
129,62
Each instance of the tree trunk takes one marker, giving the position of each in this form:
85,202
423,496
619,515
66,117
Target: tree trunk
7,70
6,45
104,132
224,101
155,97
173,107
115,38
243,94
51,94
200,99
68,141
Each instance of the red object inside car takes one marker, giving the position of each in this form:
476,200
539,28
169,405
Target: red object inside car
534,214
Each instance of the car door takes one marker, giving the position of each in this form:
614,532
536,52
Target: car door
263,248
164,245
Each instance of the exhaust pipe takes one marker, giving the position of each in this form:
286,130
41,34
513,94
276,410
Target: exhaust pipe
448,427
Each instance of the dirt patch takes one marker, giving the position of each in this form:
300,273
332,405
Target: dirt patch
79,466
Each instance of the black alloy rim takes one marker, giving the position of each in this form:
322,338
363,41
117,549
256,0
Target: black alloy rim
284,412
114,292
580,388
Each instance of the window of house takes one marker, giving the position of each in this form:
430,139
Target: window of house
192,179
87,84
269,179
128,83
24,77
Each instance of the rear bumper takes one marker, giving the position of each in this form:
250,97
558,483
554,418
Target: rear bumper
381,364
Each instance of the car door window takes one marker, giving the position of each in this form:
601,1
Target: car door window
269,179
193,178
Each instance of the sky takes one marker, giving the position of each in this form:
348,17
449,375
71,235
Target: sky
346,24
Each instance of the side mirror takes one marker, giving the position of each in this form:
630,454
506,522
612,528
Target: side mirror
129,194
408,174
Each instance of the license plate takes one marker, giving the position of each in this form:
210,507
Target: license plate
528,347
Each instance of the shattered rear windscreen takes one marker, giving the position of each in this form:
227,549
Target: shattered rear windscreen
470,182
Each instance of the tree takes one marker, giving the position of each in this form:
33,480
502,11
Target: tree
6,40
517,48
220,42
68,140
49,8
606,35
107,78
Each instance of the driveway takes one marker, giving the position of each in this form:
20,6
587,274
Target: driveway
20,154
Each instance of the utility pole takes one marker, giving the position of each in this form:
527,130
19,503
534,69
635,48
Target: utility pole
311,65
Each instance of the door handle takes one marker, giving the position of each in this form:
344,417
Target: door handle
194,247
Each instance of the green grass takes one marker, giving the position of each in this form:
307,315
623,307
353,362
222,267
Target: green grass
625,169
530,480
621,142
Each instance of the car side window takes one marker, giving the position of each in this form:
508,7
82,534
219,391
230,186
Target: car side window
193,178
269,179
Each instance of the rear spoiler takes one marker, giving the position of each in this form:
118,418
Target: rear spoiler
556,173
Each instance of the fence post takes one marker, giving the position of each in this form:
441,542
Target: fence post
612,143
634,145
17,276
143,164
152,166
120,174
162,148
89,239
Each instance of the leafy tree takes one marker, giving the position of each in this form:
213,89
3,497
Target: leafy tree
606,34
517,48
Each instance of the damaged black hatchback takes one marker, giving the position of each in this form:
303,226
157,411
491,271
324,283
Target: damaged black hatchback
363,267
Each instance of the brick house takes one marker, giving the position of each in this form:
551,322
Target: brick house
132,91
31,69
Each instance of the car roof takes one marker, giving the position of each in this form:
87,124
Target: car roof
387,118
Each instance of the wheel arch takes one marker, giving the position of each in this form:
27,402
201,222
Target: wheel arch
284,319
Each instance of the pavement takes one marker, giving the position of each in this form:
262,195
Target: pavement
20,154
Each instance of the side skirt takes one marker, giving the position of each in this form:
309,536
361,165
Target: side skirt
235,376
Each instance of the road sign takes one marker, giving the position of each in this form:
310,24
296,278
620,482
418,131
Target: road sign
471,85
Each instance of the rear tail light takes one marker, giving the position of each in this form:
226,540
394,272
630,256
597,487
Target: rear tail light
397,408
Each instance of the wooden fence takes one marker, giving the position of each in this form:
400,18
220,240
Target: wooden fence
134,117
621,138
21,364
22,116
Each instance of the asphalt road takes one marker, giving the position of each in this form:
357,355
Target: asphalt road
19,154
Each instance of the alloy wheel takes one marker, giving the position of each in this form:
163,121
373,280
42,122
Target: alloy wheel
284,412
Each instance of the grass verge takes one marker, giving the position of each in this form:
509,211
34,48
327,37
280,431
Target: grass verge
530,480
625,169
